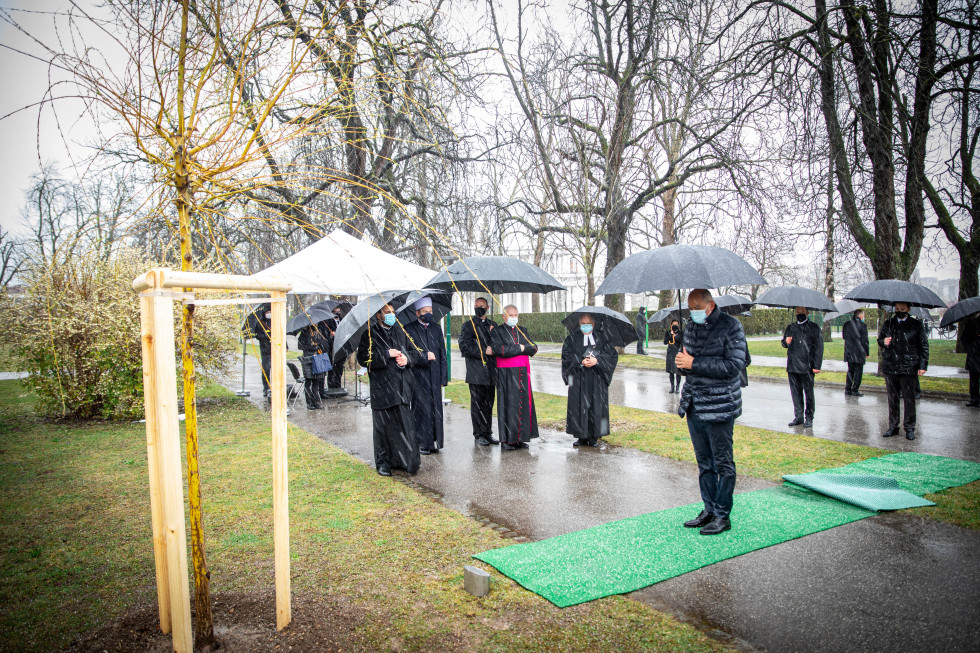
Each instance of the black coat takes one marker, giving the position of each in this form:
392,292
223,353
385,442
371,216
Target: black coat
429,377
909,350
713,385
257,326
391,385
744,375
313,341
588,387
473,340
805,353
641,325
517,420
674,344
971,340
856,346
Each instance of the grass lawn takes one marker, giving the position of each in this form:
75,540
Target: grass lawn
758,452
75,536
931,384
941,352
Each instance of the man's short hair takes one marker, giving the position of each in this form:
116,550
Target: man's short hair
701,296
508,307
481,299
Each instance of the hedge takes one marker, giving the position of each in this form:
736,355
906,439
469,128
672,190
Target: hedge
547,327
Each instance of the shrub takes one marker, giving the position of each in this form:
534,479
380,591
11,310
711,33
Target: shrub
75,330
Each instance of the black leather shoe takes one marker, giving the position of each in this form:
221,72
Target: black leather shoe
716,525
796,422
918,395
384,471
857,394
808,424
579,443
848,393
703,518
434,450
889,433
523,445
425,452
507,447
493,440
910,434
482,441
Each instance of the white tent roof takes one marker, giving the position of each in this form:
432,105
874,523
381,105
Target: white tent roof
339,264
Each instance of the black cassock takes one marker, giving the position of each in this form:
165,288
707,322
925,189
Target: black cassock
395,443
588,387
429,377
516,419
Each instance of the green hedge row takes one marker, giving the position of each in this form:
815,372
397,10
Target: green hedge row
547,327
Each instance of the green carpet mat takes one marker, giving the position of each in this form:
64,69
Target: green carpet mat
629,554
868,492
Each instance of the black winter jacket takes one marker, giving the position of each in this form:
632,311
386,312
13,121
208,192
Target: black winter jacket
909,350
855,334
805,353
713,386
971,340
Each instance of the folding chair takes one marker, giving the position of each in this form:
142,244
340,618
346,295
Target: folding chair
295,389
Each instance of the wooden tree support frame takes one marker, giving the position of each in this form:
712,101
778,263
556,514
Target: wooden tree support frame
158,290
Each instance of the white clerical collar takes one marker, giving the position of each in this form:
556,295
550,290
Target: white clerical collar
588,340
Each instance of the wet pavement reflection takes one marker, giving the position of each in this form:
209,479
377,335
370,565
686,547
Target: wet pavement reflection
893,582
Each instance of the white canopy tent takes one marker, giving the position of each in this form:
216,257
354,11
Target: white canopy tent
339,264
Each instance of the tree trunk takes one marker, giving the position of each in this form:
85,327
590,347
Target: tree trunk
616,235
829,271
538,256
969,285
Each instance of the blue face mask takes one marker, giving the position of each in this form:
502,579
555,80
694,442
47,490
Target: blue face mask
586,328
390,319
698,316
512,322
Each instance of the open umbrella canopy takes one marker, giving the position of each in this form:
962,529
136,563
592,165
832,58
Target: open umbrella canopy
348,334
614,324
889,291
495,275
679,266
442,304
330,304
312,315
661,316
791,296
734,304
960,310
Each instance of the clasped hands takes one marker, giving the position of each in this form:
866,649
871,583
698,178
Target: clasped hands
589,361
399,357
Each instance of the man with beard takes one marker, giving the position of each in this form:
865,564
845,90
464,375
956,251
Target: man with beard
804,357
474,345
385,352
431,375
904,357
588,361
856,351
512,348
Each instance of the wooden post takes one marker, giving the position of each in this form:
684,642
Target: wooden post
153,464
171,479
280,472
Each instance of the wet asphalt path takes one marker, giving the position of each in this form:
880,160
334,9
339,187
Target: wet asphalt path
945,427
893,582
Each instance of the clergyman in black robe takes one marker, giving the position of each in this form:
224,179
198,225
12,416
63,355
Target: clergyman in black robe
385,352
588,361
431,374
512,348
474,345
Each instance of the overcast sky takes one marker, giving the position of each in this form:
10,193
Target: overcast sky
59,134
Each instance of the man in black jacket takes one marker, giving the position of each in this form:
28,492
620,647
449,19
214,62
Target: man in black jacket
474,345
712,359
856,351
971,340
386,353
431,375
904,356
804,358
260,327
641,329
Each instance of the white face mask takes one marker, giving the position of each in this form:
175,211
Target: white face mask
512,322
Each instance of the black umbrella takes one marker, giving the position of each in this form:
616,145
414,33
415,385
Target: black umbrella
960,310
494,275
330,304
791,296
442,305
661,316
614,324
890,291
348,334
734,304
312,315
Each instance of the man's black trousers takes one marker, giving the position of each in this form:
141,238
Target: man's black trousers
481,409
901,386
855,372
801,387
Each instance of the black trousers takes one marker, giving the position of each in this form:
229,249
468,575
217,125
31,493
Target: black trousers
855,372
312,389
481,409
975,387
801,387
716,462
265,349
336,375
639,347
674,378
901,386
